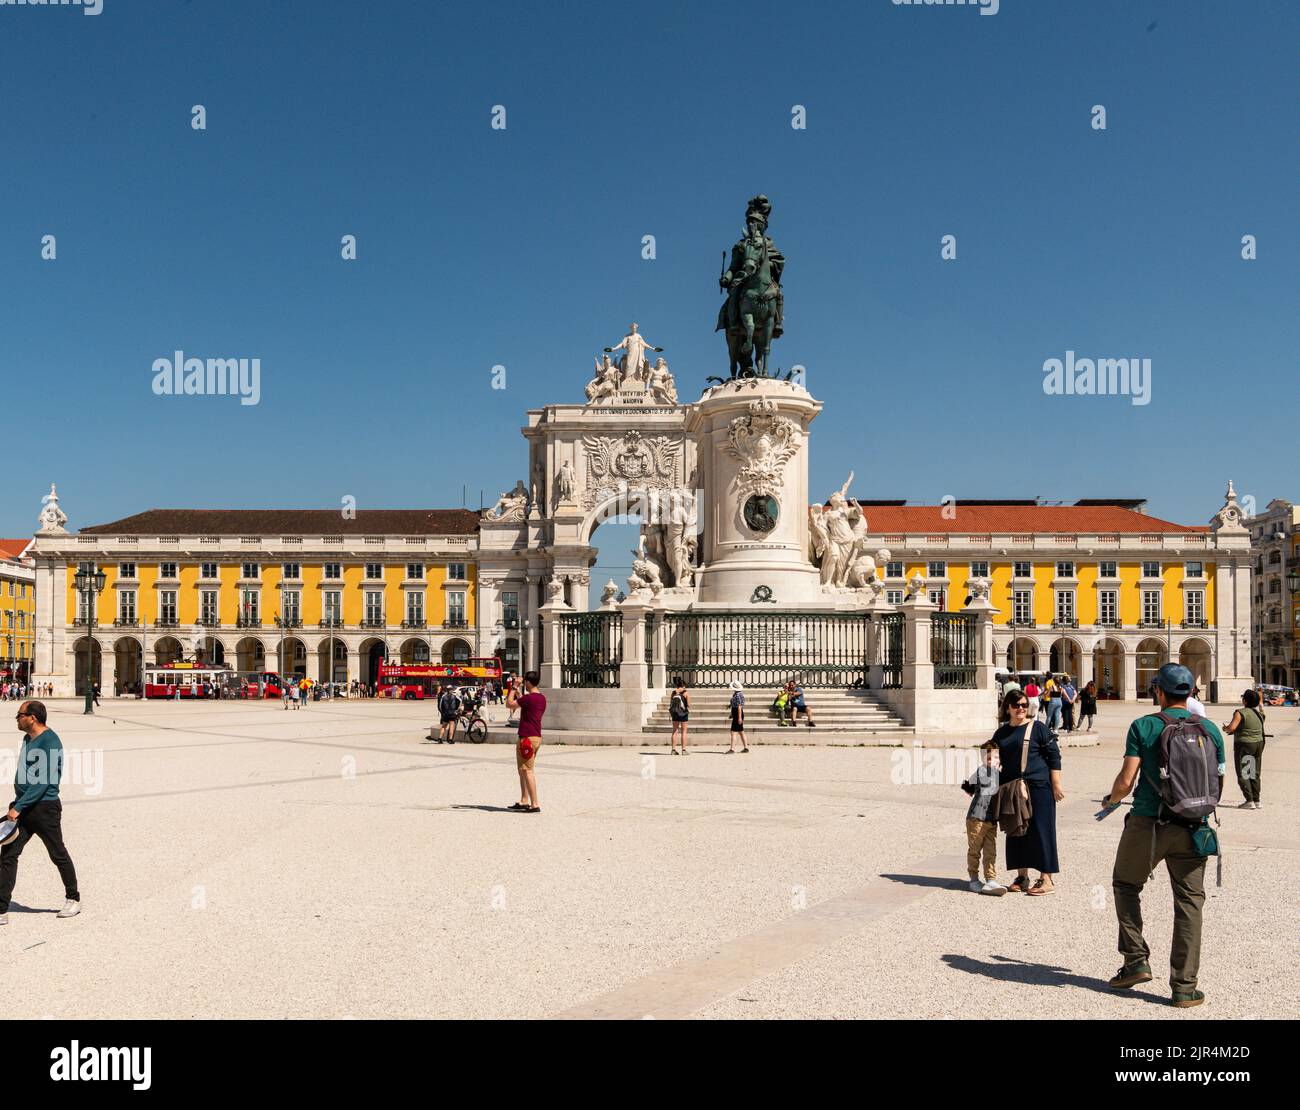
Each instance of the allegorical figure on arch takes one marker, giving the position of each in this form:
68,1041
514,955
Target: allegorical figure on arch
753,313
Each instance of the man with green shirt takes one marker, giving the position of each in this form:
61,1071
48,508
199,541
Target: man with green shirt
37,809
1139,852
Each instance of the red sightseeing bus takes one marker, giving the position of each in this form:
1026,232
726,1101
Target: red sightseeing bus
416,681
186,680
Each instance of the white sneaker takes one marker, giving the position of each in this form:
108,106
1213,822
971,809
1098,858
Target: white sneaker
70,909
4,919
994,888
976,885
1246,805
1257,805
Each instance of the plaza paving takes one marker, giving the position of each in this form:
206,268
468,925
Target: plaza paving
244,861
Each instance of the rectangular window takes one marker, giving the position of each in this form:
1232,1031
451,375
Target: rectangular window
208,611
939,598
374,570
1107,569
333,570
167,570
1151,607
414,570
414,607
1195,606
936,570
1194,570
979,570
126,570
22,621
1022,606
894,597
22,589
291,570
250,570
291,605
1065,570
1065,606
208,570
894,569
510,608
250,606
332,606
1107,607
374,608
1023,570
456,607
167,606
1150,570
126,605
456,571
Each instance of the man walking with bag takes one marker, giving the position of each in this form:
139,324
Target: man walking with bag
37,809
1177,762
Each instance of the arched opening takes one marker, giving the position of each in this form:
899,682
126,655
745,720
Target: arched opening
291,657
620,535
1066,658
210,651
96,666
415,651
166,650
1108,669
340,670
250,655
1022,655
1195,656
455,651
372,653
1151,656
128,658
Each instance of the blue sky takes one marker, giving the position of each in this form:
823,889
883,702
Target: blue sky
522,247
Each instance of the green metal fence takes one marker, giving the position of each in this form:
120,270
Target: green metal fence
889,646
767,649
953,650
591,650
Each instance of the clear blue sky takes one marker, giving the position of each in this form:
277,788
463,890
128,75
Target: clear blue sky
522,247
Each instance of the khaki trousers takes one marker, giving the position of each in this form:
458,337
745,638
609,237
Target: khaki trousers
1133,863
982,839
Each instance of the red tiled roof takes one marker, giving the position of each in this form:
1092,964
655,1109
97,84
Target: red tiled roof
13,549
291,522
985,519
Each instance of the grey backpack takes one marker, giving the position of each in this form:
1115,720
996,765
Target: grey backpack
1190,784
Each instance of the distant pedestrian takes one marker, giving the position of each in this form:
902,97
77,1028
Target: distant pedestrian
1033,692
1247,731
448,711
1052,703
1194,704
1069,695
293,694
1027,750
982,824
36,808
798,703
679,711
737,708
1088,704
531,706
1153,832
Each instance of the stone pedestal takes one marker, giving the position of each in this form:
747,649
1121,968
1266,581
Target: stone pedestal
752,437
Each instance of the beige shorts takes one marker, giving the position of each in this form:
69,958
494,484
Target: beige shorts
520,761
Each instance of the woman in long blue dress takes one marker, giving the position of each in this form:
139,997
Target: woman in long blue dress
1042,775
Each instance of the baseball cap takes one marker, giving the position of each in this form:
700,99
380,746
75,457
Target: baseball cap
1174,679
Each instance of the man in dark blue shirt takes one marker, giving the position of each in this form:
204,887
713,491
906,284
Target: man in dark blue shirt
37,809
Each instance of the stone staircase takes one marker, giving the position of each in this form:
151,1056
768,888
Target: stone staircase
835,711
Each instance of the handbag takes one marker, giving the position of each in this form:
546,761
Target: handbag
1014,796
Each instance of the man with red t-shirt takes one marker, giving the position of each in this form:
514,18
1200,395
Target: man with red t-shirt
531,706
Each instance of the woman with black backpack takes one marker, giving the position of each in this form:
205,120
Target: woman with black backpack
1247,731
679,709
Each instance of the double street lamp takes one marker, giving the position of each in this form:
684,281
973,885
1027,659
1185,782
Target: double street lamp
89,583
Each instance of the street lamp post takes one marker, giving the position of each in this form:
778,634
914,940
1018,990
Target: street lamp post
90,584
523,647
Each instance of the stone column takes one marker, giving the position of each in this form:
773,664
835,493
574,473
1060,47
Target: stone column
918,670
632,674
578,586
1131,676
1086,665
659,649
877,607
549,616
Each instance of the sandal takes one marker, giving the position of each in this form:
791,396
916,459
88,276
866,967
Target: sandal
1042,887
517,807
532,809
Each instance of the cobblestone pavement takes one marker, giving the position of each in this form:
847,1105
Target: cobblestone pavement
238,860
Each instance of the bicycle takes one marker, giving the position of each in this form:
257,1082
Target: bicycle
473,724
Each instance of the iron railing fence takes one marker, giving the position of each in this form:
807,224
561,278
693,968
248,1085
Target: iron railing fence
953,650
591,650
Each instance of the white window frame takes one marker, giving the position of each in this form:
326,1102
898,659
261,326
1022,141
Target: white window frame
1107,599
979,569
1022,602
415,607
